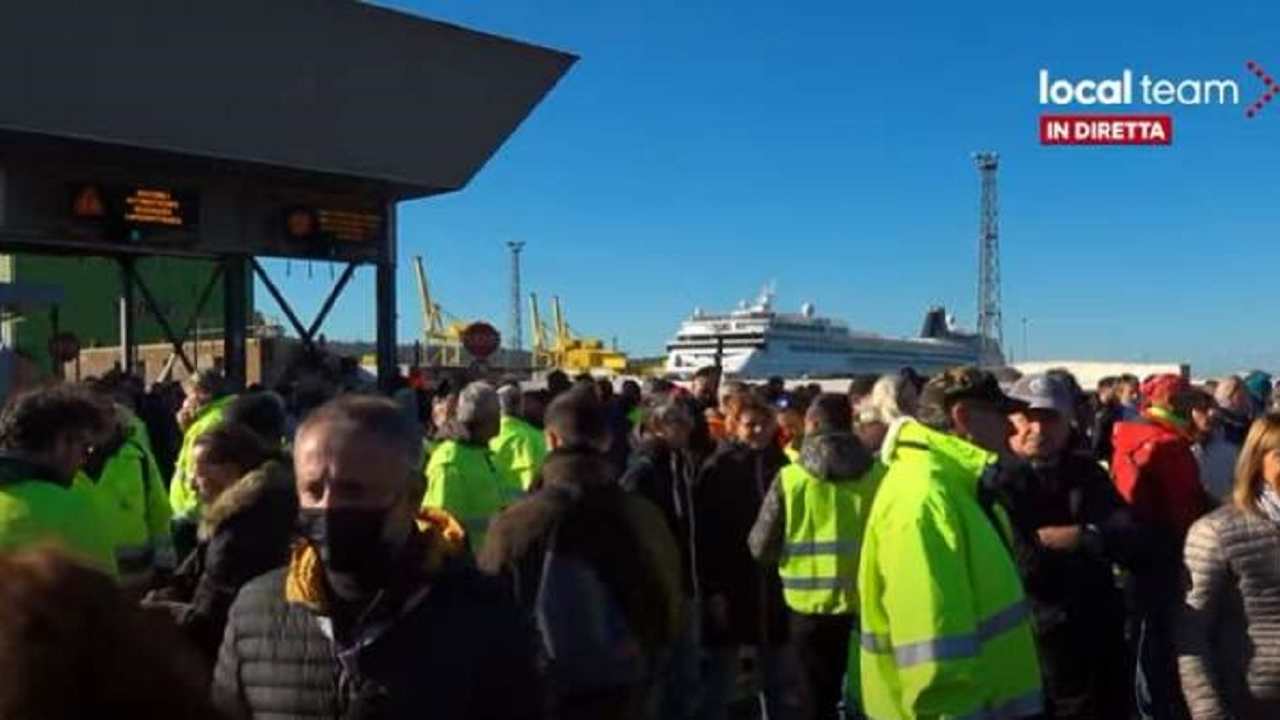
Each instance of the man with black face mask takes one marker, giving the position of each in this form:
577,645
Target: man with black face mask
378,615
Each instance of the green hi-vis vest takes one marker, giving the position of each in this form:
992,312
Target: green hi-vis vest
182,496
825,519
463,480
946,627
518,449
35,510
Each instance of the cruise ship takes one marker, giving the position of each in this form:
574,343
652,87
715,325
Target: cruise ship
755,342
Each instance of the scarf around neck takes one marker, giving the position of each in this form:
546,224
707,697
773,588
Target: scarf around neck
1269,503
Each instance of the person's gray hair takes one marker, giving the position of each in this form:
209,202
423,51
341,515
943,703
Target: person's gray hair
510,399
1227,387
477,404
892,397
381,418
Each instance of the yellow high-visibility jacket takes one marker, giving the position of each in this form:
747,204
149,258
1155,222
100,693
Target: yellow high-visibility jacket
182,497
518,449
463,480
946,627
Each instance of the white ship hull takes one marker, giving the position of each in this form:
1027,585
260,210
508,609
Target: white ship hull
756,343
763,363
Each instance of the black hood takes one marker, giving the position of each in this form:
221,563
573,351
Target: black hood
835,456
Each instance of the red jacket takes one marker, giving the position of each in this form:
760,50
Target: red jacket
1156,472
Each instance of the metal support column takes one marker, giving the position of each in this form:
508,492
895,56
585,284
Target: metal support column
388,365
235,326
59,368
128,329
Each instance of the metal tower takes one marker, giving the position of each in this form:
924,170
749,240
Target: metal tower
516,334
990,322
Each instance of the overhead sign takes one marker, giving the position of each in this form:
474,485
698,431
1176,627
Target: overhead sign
149,206
348,226
136,206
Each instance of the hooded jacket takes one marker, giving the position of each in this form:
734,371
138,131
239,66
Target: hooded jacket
622,537
732,485
1167,491
833,457
122,476
246,532
1156,472
944,620
441,641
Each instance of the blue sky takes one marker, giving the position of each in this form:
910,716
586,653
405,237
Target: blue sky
698,150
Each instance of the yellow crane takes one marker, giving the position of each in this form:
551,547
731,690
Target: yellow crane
543,357
567,351
442,344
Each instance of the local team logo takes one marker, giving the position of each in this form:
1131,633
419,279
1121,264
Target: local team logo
1130,89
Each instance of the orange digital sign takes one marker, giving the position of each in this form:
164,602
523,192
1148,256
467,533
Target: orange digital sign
153,207
348,226
135,206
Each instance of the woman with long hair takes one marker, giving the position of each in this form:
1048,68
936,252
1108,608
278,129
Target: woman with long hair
1229,633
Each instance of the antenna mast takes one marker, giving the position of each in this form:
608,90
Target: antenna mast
990,322
517,327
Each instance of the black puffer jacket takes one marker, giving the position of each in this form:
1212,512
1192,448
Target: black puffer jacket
730,489
450,645
243,534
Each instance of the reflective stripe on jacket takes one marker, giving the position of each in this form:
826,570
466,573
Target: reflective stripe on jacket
135,512
946,627
824,525
463,480
518,450
182,497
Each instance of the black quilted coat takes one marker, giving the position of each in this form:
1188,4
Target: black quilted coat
451,648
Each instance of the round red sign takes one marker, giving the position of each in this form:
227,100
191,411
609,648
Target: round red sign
480,339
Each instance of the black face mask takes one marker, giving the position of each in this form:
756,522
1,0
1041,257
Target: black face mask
356,555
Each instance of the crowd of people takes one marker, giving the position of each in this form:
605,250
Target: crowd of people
974,544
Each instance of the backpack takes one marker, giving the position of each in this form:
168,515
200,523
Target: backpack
586,639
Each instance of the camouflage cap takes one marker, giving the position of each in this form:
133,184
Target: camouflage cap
961,383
